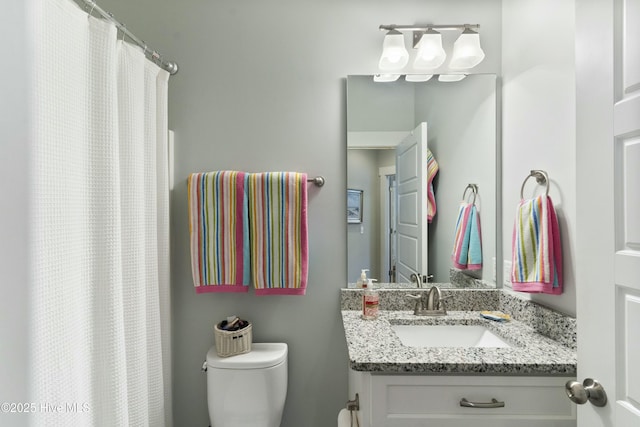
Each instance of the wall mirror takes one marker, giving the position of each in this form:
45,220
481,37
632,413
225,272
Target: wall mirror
459,120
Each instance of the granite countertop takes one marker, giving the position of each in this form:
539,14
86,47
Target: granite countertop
374,347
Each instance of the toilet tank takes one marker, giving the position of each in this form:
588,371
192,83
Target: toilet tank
248,390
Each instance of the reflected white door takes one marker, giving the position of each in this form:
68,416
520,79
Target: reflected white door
608,208
411,185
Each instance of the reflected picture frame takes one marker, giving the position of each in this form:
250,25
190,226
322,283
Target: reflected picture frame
354,206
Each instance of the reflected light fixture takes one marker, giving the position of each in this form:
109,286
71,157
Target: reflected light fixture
384,78
394,54
418,77
467,52
430,53
451,77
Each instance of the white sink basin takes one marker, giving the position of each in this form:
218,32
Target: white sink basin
447,336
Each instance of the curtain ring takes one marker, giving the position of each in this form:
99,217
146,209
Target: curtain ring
122,28
93,6
474,191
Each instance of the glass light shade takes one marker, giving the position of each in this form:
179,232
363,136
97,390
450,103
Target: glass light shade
430,53
394,54
384,78
467,52
418,77
451,77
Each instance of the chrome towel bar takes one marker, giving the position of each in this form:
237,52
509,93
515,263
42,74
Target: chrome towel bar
318,181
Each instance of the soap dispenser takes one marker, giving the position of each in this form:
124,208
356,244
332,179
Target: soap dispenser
362,281
370,301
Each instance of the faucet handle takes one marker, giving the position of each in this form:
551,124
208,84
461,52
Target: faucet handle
441,301
418,300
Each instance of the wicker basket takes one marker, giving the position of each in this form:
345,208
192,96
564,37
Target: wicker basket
230,343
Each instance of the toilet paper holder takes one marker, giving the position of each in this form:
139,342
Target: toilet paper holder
354,405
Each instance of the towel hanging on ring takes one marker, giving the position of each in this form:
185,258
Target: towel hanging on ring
536,244
467,243
432,170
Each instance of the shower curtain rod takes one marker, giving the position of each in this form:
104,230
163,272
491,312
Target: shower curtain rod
170,66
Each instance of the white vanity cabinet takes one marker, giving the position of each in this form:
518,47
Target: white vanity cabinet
410,400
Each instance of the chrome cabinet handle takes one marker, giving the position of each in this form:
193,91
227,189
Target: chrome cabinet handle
493,404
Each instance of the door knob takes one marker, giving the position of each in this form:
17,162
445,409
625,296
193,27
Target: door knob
590,390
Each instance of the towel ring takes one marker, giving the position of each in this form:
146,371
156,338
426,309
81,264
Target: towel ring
474,190
541,178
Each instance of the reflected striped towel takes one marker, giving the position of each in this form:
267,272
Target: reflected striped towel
467,244
432,170
218,230
537,252
278,227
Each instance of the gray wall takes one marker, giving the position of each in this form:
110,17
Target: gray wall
372,107
238,103
380,107
364,246
363,243
539,122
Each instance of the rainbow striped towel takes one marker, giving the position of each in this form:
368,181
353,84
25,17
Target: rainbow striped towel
537,252
467,244
278,227
432,170
218,229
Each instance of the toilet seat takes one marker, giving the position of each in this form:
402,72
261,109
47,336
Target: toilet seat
262,355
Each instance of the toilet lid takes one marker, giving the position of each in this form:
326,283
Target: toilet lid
262,355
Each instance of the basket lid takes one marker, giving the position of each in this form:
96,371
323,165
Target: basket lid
262,355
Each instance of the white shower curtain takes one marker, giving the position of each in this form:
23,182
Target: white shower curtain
100,234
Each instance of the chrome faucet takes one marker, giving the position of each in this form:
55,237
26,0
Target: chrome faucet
415,277
434,299
429,303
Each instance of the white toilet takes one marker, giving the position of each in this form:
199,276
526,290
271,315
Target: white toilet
247,390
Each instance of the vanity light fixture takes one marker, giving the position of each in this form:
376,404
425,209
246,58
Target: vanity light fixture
418,77
430,54
467,52
394,54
